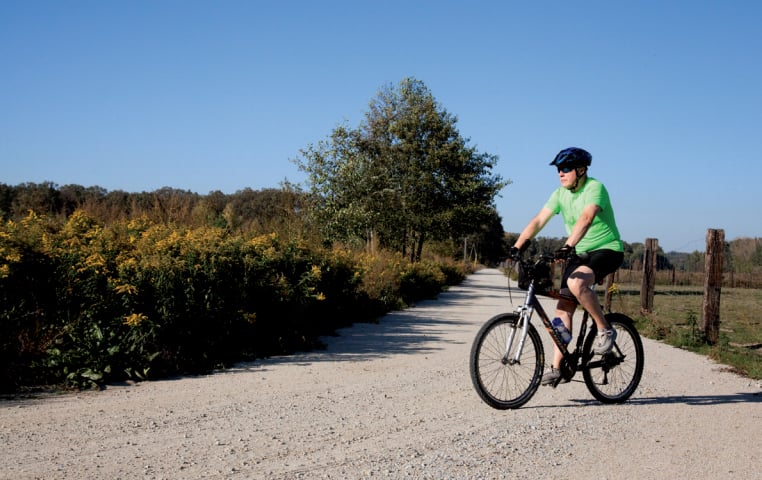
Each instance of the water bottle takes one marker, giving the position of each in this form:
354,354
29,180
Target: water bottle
562,331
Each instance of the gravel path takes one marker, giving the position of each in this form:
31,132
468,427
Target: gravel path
392,400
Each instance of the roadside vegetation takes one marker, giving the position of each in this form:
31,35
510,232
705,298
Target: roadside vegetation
85,303
676,320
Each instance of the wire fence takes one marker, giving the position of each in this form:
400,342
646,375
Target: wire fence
689,279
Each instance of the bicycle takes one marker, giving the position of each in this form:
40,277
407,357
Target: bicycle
506,370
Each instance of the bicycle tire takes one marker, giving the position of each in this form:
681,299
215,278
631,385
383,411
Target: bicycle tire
614,377
501,385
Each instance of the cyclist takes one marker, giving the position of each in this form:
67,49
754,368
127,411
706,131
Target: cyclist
584,204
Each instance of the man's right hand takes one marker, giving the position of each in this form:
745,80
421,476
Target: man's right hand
515,253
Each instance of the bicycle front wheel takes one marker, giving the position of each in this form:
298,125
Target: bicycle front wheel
499,380
613,377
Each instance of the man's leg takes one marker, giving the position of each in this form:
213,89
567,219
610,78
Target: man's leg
579,283
564,311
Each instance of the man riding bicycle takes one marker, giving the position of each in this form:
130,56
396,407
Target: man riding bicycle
584,204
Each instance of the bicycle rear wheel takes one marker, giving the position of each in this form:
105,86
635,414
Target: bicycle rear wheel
613,377
500,382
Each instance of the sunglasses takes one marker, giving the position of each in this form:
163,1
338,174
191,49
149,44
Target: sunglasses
566,169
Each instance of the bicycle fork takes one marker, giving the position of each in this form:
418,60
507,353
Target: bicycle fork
525,315
525,312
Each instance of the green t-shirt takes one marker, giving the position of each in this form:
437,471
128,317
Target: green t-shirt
603,233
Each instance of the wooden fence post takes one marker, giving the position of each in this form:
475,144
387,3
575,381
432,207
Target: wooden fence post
648,284
607,295
715,243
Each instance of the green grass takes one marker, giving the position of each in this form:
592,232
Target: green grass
677,320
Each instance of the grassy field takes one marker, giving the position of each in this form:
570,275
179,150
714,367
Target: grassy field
677,320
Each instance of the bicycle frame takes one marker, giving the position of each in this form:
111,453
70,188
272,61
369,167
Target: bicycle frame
532,304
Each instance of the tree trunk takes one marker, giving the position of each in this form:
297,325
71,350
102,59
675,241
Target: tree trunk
419,250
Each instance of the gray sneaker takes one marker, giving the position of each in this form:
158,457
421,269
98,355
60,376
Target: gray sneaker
604,341
551,376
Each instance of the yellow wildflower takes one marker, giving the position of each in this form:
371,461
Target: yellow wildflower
126,289
315,271
134,319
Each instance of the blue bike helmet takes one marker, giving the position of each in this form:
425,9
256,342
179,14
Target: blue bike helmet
572,157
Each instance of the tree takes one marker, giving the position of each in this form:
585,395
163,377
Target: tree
74,197
346,193
7,200
403,177
42,198
269,210
489,243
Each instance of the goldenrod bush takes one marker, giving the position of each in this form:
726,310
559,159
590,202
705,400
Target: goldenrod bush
85,303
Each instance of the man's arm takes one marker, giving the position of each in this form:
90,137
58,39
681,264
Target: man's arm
534,226
583,224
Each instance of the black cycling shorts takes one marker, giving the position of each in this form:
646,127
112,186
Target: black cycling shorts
602,262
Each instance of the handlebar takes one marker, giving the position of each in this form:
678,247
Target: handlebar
550,258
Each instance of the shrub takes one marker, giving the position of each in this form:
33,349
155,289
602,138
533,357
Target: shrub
85,304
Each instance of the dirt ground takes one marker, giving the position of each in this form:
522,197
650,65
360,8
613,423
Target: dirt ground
392,400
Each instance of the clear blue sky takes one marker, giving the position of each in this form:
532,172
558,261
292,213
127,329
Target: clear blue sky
220,95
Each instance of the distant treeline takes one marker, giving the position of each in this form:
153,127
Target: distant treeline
264,210
283,210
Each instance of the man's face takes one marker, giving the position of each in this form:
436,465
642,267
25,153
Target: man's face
567,176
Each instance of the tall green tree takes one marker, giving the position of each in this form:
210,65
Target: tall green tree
404,176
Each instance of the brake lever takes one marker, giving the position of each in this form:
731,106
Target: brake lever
510,297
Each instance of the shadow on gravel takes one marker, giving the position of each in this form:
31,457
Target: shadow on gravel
708,400
415,331
700,399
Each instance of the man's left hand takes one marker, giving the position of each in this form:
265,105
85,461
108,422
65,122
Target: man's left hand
564,252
